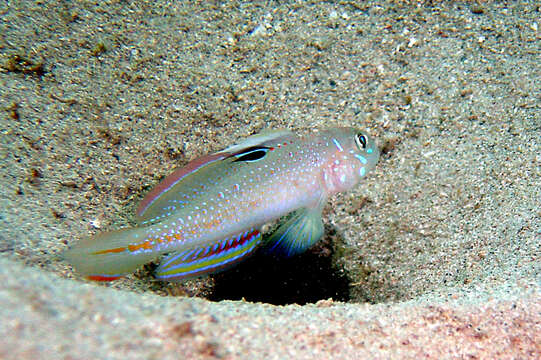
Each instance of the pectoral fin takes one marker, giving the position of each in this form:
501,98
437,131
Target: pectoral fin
297,234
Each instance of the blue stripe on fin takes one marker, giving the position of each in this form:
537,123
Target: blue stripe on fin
181,266
224,244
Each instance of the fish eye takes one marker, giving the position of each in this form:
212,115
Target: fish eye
360,139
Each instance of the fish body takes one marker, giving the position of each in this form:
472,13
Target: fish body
207,215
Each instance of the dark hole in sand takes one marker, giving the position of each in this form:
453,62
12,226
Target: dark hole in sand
301,279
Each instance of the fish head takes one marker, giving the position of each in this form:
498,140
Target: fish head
353,153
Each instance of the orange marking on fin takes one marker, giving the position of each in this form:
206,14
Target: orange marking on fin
147,245
170,238
107,251
103,277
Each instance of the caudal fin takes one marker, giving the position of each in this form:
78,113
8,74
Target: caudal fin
111,255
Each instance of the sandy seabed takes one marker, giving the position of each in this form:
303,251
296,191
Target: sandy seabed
435,254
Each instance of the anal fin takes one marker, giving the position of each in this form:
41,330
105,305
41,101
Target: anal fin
208,259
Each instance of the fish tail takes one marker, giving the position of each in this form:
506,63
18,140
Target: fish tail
111,255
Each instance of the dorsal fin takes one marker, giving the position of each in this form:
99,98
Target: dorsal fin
155,203
250,154
164,199
264,138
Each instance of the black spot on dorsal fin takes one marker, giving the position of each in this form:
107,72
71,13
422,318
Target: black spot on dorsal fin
253,153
